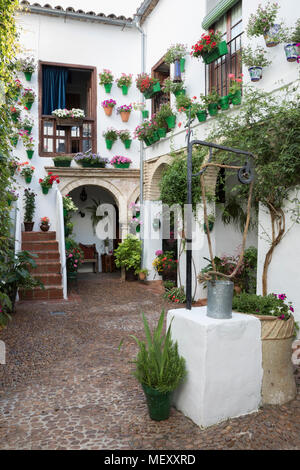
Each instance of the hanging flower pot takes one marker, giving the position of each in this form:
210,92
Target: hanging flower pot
108,110
159,404
237,98
30,154
28,129
255,73
125,89
180,92
220,50
162,131
45,190
28,76
107,87
212,109
109,143
224,102
291,52
28,179
182,64
138,228
145,114
127,143
171,121
271,36
201,115
125,116
177,71
210,226
29,104
156,136
147,141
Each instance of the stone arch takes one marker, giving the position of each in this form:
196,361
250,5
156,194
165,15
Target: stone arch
155,175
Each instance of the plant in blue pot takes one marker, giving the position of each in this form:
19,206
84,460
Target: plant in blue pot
255,60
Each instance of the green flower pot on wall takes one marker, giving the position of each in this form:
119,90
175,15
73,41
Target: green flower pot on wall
127,143
28,76
201,115
30,154
29,104
182,64
109,144
145,113
237,98
171,121
125,90
28,179
224,102
107,87
213,109
28,129
45,190
162,132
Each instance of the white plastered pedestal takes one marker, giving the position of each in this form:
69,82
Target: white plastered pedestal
224,364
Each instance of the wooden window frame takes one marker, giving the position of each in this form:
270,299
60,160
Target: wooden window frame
154,75
230,62
92,119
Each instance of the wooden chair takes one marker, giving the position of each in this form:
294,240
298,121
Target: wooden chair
90,255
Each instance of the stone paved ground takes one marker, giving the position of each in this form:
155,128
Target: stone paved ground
67,386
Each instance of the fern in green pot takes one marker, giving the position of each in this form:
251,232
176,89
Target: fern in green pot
159,368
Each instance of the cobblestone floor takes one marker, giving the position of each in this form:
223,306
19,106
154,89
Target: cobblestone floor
67,386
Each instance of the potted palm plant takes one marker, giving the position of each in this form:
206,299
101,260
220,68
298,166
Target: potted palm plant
159,368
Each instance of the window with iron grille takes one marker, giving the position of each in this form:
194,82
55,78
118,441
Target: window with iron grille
231,26
161,71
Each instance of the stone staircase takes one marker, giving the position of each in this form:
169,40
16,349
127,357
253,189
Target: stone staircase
48,269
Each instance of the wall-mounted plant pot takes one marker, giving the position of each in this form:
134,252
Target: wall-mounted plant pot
156,136
30,154
107,87
171,121
125,116
212,109
291,52
127,143
138,228
210,226
201,115
220,50
162,131
45,190
224,102
271,36
155,89
109,143
156,224
28,179
125,90
28,129
63,163
147,142
182,64
180,92
145,113
14,141
28,76
108,110
28,226
255,73
29,104
69,122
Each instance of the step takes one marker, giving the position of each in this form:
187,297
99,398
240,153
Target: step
52,279
38,246
46,267
47,256
38,236
49,293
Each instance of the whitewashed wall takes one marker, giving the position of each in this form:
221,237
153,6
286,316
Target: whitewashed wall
68,41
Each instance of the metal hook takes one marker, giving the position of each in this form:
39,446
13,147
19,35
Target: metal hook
245,175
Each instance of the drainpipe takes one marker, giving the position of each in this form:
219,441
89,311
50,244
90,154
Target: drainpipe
143,42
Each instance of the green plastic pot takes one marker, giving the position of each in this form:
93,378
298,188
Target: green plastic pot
107,87
224,102
92,165
179,93
30,154
125,90
45,190
63,163
138,228
171,121
14,141
15,117
147,141
162,131
159,404
29,104
182,64
127,143
201,115
28,179
145,114
212,109
122,165
109,143
156,136
236,98
28,76
210,226
220,50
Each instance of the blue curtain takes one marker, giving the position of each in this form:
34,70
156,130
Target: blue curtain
54,88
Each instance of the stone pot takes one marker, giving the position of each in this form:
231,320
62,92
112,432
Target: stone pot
278,384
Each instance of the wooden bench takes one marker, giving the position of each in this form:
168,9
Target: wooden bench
90,255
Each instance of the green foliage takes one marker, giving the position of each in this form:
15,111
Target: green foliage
164,112
158,364
175,294
272,304
210,98
169,284
295,36
183,102
176,52
173,184
172,87
262,19
29,206
255,58
128,254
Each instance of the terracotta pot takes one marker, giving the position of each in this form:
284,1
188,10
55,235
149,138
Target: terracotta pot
125,116
142,276
108,110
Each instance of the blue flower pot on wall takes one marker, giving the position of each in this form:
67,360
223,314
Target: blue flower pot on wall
291,52
255,73
272,35
177,72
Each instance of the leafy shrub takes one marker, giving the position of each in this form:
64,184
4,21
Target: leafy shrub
158,364
128,254
176,295
271,304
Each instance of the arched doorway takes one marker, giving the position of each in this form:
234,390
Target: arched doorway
85,221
